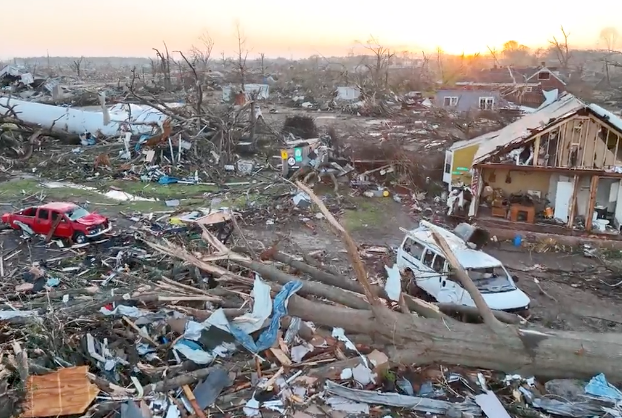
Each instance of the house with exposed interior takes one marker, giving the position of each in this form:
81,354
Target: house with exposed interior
560,166
461,101
523,86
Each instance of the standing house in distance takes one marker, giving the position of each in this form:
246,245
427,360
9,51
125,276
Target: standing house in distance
559,166
461,100
523,86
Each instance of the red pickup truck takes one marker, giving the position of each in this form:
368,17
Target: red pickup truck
75,222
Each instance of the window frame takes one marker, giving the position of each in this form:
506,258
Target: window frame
453,101
546,73
486,100
448,161
410,243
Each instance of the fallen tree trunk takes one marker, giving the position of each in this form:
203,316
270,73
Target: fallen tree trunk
309,288
409,339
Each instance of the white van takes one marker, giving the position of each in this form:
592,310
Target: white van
420,255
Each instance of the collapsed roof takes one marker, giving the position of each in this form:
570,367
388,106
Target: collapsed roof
523,129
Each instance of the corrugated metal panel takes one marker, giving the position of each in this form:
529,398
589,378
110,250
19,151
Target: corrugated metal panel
521,129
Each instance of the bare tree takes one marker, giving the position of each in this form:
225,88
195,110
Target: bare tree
263,65
561,50
77,66
198,83
154,67
493,54
242,54
609,37
165,66
382,58
201,54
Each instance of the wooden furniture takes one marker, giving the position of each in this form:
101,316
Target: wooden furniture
499,211
529,212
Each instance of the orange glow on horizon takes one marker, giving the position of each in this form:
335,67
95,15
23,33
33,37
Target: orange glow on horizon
326,27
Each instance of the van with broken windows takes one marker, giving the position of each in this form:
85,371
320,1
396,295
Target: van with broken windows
421,259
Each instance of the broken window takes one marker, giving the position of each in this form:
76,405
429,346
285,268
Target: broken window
448,156
43,214
438,264
413,248
544,75
450,101
428,258
29,212
486,103
491,279
55,216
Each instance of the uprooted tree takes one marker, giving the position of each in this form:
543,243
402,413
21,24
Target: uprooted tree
429,335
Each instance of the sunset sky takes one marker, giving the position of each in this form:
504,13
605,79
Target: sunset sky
289,28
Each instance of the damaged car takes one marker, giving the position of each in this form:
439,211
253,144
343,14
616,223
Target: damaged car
62,219
431,275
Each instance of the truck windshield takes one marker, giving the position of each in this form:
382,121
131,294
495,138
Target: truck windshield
491,279
77,213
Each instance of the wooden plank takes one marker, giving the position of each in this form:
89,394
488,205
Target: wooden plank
591,203
50,234
65,392
573,201
281,356
583,135
536,150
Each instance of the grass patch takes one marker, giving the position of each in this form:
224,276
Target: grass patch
12,192
159,191
370,213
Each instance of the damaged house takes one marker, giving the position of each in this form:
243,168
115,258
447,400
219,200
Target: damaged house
559,166
523,86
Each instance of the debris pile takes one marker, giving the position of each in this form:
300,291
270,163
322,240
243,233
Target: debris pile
181,316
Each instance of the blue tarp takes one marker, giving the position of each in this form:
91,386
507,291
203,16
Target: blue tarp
599,387
279,310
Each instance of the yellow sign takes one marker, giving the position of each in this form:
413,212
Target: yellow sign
284,154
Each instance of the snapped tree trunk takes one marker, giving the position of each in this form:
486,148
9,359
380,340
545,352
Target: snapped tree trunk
407,339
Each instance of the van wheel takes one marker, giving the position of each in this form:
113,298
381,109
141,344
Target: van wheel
79,238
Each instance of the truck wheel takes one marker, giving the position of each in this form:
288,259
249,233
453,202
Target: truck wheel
79,238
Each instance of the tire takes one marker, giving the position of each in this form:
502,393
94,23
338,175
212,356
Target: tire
79,238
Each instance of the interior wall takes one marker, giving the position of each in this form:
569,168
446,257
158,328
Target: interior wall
553,180
604,195
521,181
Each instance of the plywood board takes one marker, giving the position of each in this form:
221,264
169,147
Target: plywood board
65,392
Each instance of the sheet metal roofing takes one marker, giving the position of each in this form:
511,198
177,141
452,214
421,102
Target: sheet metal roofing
521,129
